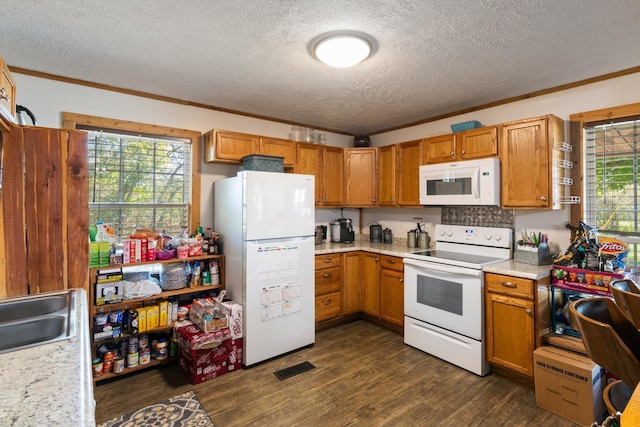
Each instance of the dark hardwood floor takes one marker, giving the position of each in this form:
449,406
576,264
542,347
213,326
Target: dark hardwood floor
364,375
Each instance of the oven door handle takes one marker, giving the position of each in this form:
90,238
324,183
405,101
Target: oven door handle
442,268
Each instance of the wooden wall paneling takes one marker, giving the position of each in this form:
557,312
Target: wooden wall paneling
77,206
14,263
46,214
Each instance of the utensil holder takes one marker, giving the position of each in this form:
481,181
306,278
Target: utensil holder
411,239
532,255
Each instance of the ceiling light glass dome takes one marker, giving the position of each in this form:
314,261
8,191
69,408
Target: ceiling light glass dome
342,50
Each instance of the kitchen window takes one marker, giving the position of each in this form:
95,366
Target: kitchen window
140,175
611,190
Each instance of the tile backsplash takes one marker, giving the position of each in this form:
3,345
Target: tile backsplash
479,216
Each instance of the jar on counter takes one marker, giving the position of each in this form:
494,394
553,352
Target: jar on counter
412,239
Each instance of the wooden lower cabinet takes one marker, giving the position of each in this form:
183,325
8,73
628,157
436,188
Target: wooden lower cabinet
370,283
351,282
391,289
328,286
517,317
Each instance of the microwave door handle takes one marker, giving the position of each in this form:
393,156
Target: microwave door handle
475,183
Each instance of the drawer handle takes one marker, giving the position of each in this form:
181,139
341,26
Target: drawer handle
327,260
391,261
326,301
509,284
326,275
3,94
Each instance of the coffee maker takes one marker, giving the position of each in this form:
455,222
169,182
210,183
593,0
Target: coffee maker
342,231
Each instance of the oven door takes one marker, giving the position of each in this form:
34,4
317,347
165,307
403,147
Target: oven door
445,296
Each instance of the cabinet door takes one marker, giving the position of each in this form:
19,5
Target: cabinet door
510,332
370,284
281,148
439,149
7,92
392,296
524,155
408,190
387,175
478,143
361,176
309,161
352,282
229,147
332,176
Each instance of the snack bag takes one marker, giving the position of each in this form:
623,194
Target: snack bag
614,253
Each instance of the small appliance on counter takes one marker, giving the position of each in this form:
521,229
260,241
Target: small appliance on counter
375,233
387,236
342,231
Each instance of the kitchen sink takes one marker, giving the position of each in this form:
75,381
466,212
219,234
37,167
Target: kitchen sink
36,320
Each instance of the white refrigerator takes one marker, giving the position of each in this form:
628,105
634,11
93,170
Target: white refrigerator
267,224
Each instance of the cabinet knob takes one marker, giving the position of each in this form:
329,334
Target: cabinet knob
392,201
401,280
463,151
3,94
543,198
528,311
451,153
373,200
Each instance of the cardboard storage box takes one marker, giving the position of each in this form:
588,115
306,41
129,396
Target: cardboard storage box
587,281
569,385
198,374
190,338
235,318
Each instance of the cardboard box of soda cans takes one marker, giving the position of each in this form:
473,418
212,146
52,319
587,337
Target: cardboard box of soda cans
208,371
585,281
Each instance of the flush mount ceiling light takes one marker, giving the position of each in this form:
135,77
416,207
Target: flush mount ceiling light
342,49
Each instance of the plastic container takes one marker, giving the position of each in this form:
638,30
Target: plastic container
256,162
459,127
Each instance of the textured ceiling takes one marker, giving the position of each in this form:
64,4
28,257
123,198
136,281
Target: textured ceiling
433,57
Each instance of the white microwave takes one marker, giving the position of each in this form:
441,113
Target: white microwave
468,182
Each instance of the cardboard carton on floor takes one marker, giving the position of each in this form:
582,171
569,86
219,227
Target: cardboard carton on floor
569,385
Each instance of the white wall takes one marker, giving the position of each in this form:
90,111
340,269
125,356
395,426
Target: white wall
48,98
609,93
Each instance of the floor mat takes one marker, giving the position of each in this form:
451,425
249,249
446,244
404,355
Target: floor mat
285,373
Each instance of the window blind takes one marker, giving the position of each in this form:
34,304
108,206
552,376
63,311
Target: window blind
612,160
139,181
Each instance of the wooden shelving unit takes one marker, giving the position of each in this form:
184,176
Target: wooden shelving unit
139,302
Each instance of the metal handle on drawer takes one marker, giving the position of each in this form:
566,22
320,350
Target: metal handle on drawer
3,94
326,301
509,284
326,275
391,261
326,260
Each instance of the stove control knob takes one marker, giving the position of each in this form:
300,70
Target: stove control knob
497,237
449,233
441,232
487,236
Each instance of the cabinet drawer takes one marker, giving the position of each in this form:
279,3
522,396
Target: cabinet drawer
509,285
328,306
391,263
328,280
328,260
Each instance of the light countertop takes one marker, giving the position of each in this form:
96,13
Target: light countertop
51,384
399,248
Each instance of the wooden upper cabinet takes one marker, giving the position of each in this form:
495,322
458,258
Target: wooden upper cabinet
477,143
332,176
387,175
467,145
7,93
409,155
309,161
361,176
279,147
527,163
439,149
229,147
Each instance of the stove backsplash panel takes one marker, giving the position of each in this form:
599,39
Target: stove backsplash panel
478,216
